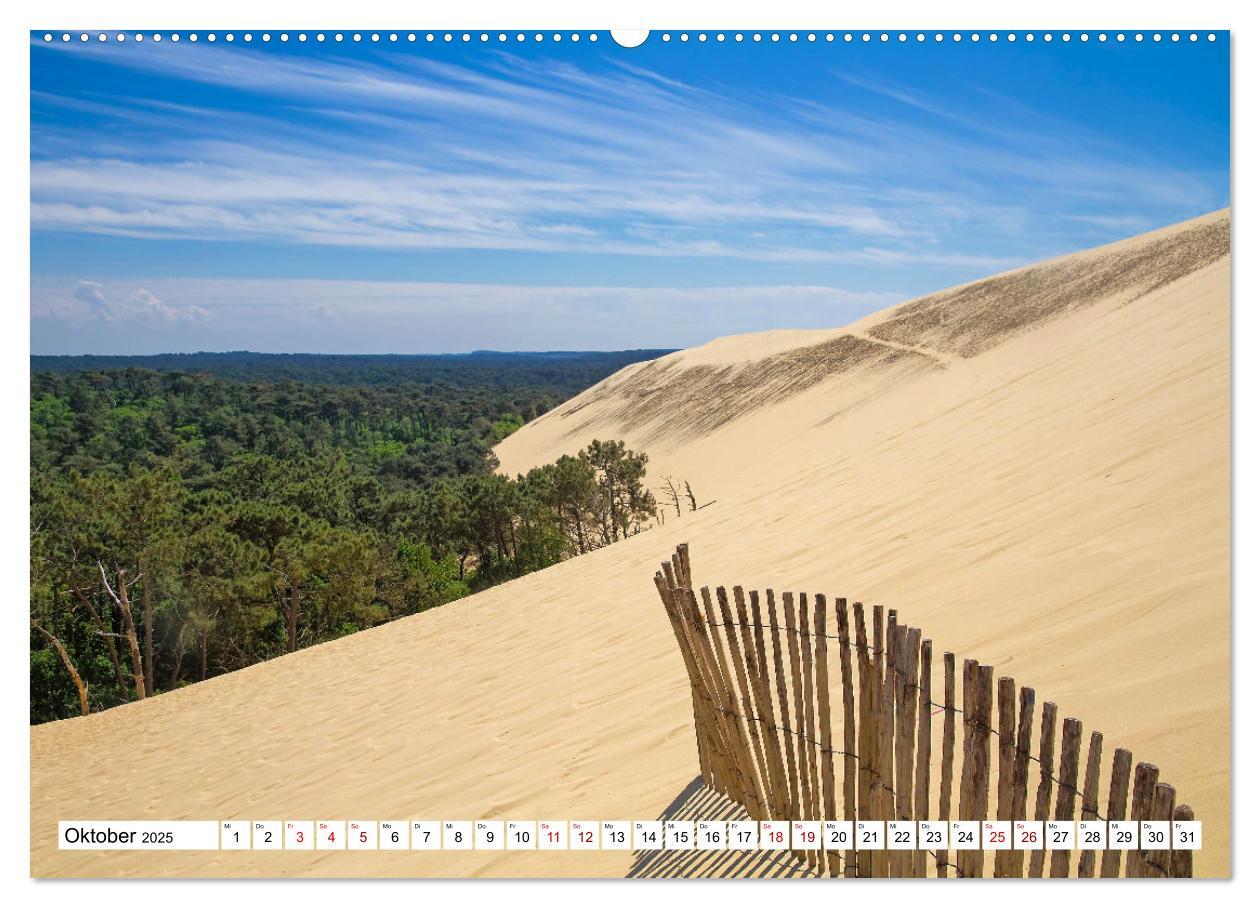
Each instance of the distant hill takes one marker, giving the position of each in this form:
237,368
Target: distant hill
575,368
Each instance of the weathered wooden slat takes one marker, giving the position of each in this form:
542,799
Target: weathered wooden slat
879,862
739,664
785,715
826,762
1117,800
717,718
697,631
894,680
1049,718
814,806
894,642
803,746
849,793
1145,778
684,559
1181,864
684,647
984,739
1003,860
887,735
1065,805
755,654
877,717
1019,770
716,721
947,759
866,717
759,630
906,724
742,761
1158,863
923,750
1089,801
696,705
967,780
877,690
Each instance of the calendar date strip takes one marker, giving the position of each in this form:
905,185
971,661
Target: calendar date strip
627,835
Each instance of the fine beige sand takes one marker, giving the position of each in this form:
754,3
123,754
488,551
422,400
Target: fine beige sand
1033,468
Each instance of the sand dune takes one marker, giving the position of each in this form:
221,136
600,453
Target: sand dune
1033,468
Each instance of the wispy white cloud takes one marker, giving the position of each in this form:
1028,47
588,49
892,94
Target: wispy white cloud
88,303
392,316
397,151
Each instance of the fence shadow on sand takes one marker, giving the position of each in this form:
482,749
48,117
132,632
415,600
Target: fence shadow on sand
698,802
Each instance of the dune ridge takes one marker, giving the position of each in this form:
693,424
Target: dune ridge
691,393
1043,486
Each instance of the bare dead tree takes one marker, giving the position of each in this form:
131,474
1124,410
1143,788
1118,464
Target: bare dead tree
79,684
107,634
147,598
129,625
178,662
671,494
691,496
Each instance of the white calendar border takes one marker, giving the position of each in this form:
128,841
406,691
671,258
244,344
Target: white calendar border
1085,14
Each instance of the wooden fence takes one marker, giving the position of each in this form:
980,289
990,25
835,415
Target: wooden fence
771,738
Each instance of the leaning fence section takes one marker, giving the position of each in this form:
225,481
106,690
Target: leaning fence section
772,735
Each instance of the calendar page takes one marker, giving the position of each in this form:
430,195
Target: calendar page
792,452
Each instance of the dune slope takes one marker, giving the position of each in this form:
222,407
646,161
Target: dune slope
1033,468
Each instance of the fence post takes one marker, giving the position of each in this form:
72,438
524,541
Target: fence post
755,654
702,749
696,632
1019,775
1159,860
1145,778
803,750
1049,716
785,715
827,761
811,731
922,770
947,761
1065,809
738,661
984,738
887,737
759,630
967,780
683,552
1089,800
1181,864
754,803
850,743
1121,764
1003,860
907,701
866,755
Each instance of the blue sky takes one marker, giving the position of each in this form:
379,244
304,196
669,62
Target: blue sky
430,197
